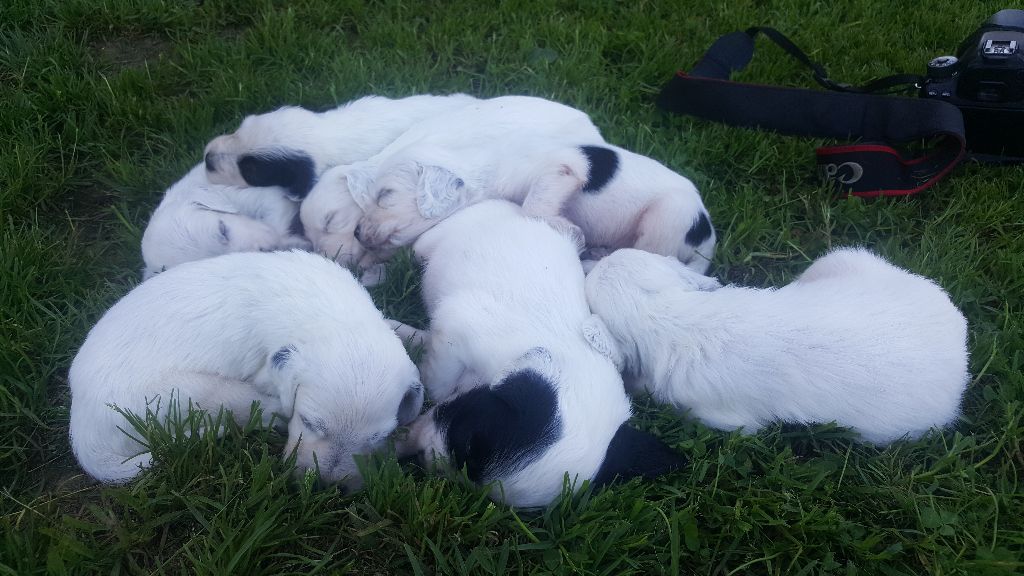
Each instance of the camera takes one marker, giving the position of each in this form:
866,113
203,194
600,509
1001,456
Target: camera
985,80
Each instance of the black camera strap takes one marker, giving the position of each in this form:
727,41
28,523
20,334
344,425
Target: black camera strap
870,168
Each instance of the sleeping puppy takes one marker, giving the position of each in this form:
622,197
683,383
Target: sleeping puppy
854,340
523,399
330,216
198,220
332,221
291,146
617,198
291,330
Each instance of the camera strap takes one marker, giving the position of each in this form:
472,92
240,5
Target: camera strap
873,167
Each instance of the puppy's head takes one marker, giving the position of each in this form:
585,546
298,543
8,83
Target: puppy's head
518,435
197,231
330,214
406,199
343,402
271,149
493,431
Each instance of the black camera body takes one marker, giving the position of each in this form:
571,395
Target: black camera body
986,82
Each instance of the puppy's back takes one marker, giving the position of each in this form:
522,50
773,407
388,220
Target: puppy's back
493,248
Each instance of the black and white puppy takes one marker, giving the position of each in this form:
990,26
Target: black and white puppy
197,220
618,199
291,146
524,400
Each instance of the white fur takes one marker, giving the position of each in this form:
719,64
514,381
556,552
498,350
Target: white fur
644,205
439,165
351,132
853,340
494,301
207,331
330,215
197,220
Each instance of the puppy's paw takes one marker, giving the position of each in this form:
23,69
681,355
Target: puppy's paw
595,253
373,275
295,242
698,282
569,230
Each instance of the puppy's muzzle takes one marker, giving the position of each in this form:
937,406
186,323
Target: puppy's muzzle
211,164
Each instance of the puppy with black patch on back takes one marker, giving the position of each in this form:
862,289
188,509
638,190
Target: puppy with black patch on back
291,330
616,197
522,398
197,219
853,340
291,146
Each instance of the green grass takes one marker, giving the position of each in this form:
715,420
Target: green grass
104,103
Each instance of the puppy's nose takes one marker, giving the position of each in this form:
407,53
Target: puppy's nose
210,166
359,232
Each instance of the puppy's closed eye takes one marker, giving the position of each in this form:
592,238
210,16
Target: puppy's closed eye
327,221
225,235
383,196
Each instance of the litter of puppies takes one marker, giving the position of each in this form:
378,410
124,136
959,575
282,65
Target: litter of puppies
561,272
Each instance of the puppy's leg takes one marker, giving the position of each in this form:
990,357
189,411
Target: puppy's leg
373,275
211,392
291,242
559,179
442,370
408,333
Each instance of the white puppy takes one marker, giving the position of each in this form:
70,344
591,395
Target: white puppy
617,198
198,220
330,219
854,340
292,146
330,216
289,329
524,399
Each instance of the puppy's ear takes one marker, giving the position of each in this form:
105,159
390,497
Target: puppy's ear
633,453
282,368
358,179
439,192
411,404
597,335
289,169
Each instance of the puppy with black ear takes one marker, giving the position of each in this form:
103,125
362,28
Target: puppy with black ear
291,330
854,340
523,398
197,219
291,146
617,198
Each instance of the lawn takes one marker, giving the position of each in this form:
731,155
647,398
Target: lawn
103,103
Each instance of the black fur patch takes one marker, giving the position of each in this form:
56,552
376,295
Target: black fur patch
604,163
281,357
296,226
634,453
699,231
287,169
495,432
